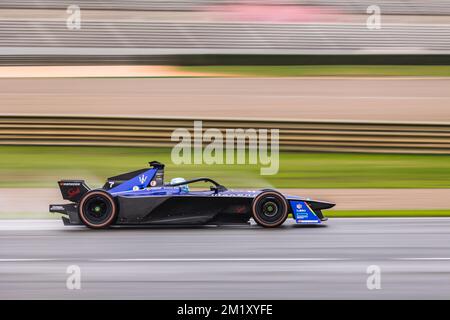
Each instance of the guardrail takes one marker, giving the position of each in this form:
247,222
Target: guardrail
298,135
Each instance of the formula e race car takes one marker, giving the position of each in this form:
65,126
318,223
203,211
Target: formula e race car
142,198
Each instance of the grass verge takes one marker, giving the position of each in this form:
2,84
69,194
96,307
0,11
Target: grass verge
323,70
28,215
27,166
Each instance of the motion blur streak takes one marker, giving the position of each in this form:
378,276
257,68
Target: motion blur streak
344,99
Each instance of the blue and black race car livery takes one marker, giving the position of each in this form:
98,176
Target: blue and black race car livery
142,198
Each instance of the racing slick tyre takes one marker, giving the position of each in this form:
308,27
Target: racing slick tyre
270,209
97,209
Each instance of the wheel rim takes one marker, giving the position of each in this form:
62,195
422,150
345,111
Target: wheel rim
97,209
270,209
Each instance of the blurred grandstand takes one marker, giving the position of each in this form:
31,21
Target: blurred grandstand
410,7
172,32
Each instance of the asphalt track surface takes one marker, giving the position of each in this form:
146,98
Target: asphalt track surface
376,99
293,262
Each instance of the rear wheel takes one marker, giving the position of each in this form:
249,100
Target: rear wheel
270,209
97,209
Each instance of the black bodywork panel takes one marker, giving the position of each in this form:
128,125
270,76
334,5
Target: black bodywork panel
183,210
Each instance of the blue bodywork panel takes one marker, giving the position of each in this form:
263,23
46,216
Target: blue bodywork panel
303,213
141,181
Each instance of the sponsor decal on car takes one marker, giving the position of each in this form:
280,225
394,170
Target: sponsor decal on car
143,178
73,192
233,194
303,213
56,207
69,184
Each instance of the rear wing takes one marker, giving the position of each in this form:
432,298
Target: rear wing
73,190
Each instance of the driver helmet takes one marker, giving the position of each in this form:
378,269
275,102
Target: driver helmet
184,187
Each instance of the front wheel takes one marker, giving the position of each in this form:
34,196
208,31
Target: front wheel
97,209
270,209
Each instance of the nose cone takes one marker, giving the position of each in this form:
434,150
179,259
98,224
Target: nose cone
320,205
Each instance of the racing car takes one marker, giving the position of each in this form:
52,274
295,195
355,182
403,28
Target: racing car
142,198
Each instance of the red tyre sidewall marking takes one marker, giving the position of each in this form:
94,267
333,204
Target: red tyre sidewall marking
107,222
264,194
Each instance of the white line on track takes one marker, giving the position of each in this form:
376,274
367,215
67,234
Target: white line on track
219,259
56,224
27,260
215,259
175,259
424,259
